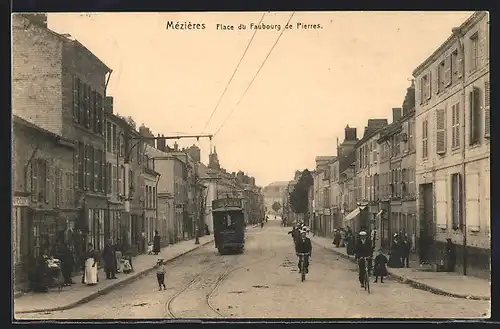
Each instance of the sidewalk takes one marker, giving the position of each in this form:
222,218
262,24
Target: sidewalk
78,293
441,283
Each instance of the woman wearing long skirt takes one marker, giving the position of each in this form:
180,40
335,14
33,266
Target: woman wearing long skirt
91,266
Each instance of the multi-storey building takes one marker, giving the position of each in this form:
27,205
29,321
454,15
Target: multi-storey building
397,193
453,148
59,85
324,223
118,226
366,179
43,195
345,172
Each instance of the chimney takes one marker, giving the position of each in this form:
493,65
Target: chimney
396,114
195,153
350,134
176,147
108,104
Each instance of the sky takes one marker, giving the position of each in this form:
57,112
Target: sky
314,82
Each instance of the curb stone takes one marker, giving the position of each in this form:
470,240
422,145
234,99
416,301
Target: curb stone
106,290
414,283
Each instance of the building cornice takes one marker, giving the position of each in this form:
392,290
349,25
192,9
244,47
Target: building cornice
462,29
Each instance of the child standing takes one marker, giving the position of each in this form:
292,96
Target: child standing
160,274
380,266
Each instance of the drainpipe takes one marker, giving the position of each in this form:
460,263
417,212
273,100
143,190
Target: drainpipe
458,35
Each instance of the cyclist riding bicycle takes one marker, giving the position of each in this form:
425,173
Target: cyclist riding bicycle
364,251
304,246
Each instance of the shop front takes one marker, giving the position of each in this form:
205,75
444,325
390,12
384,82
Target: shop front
358,219
95,217
20,241
409,222
113,226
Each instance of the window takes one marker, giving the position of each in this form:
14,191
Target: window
99,114
456,201
115,180
154,197
120,170
455,69
474,52
455,126
76,164
81,166
440,131
114,141
410,142
425,87
447,72
39,180
108,137
475,116
92,110
375,152
109,178
441,76
93,169
81,103
59,187
486,109
76,99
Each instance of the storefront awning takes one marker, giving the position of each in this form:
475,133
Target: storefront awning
354,213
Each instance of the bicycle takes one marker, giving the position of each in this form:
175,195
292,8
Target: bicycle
366,280
302,265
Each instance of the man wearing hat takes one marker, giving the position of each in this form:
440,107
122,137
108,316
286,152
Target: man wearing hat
363,250
304,246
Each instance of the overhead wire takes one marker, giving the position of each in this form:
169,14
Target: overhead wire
232,76
255,76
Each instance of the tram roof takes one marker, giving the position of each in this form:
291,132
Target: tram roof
227,209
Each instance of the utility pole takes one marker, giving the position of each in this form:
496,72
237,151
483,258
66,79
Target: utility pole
126,163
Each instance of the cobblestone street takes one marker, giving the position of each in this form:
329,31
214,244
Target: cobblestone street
264,282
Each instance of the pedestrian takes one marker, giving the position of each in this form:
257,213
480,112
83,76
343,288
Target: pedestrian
109,257
380,268
349,241
67,264
119,254
336,237
405,251
90,273
395,256
450,256
156,243
160,273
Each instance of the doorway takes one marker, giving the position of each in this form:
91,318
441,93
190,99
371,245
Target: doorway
426,241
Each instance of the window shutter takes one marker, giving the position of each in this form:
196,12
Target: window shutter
48,182
76,108
486,109
421,90
447,71
474,108
34,180
429,84
96,170
440,131
457,125
460,65
437,80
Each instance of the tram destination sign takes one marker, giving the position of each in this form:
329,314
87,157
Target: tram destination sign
226,203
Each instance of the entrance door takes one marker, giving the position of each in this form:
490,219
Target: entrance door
426,223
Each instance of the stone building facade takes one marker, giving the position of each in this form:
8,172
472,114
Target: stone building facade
453,148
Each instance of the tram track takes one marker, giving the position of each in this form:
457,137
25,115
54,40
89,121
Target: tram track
214,285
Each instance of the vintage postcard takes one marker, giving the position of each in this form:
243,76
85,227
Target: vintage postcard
251,165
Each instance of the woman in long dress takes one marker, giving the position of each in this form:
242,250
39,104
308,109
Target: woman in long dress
91,266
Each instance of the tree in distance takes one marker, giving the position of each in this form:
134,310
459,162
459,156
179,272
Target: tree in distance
299,198
276,206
